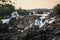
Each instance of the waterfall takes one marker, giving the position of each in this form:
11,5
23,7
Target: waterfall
15,14
7,18
39,22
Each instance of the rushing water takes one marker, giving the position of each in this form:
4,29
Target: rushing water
42,21
39,22
7,19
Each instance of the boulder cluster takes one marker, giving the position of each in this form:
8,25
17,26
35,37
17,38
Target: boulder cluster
48,32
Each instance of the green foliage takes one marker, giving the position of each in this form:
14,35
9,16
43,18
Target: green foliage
7,9
6,1
39,12
56,9
22,12
3,0
0,17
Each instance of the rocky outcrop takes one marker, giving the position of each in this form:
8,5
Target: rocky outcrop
47,32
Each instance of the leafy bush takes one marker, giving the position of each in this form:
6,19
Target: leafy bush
56,9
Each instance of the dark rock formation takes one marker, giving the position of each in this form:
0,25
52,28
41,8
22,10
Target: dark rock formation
48,32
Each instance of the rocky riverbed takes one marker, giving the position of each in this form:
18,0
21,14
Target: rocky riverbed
47,32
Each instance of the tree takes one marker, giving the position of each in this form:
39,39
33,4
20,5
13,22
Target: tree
22,12
40,12
6,9
9,1
56,9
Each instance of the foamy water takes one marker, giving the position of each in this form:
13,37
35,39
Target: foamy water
40,23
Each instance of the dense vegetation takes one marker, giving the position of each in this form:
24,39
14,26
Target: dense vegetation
56,9
6,9
22,12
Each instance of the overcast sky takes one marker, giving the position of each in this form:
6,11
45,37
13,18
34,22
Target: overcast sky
31,4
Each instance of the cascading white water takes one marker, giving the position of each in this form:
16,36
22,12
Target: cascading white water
39,22
15,14
6,20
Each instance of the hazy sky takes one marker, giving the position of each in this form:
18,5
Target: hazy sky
30,4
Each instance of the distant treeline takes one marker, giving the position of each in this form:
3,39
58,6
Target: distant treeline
7,9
